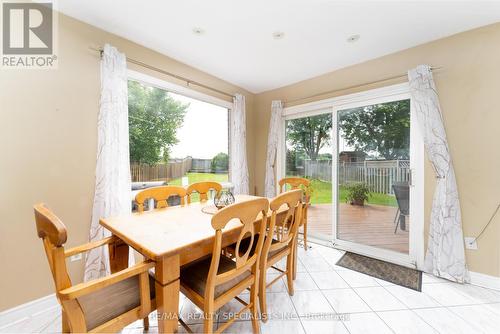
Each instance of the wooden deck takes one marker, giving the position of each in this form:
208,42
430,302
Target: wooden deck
370,225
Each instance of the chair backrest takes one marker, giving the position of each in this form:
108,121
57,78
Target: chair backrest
160,196
54,234
283,227
245,213
296,183
202,188
402,193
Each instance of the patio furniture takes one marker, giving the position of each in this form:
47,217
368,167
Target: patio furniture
203,189
107,304
402,193
161,196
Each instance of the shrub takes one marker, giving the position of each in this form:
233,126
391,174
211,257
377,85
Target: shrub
220,163
357,193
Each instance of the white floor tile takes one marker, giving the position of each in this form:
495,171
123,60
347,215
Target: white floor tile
478,294
405,321
445,321
324,326
282,327
379,299
315,264
303,282
311,302
357,280
411,298
278,286
329,280
345,301
242,327
493,307
366,323
280,306
447,294
480,316
428,278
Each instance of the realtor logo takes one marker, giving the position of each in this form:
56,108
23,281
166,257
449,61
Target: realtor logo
28,31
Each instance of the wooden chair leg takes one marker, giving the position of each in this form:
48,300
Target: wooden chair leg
289,272
295,251
262,295
255,313
208,323
305,234
145,322
64,323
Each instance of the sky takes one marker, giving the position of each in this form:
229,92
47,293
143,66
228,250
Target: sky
204,132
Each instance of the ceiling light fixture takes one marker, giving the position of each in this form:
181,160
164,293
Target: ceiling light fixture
198,31
278,35
353,38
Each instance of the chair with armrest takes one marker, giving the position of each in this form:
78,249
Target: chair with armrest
160,195
202,188
105,304
213,281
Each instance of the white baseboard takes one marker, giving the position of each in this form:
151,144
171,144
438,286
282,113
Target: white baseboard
25,311
486,281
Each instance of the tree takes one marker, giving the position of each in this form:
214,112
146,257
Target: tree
309,134
380,128
154,118
220,163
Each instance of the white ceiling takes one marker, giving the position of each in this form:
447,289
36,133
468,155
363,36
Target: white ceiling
238,46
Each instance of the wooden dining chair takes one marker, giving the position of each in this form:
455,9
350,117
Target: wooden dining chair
202,188
280,242
213,281
305,186
160,195
105,304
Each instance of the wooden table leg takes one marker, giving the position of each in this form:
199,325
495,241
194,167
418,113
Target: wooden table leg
167,286
118,256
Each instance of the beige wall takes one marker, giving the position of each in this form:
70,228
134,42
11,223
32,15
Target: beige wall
468,87
49,138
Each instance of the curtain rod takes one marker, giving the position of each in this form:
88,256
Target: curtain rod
356,86
188,82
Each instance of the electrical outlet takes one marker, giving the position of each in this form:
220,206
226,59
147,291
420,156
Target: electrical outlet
76,257
470,243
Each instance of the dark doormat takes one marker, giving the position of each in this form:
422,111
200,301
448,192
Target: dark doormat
407,277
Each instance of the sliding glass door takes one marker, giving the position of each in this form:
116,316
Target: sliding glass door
364,158
309,149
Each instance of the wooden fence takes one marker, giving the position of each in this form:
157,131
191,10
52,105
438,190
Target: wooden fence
174,169
378,175
201,165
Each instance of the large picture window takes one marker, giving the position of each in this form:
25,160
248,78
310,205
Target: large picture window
175,139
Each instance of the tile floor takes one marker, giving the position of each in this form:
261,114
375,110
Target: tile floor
367,305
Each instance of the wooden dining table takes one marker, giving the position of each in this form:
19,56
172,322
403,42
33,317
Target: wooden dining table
171,237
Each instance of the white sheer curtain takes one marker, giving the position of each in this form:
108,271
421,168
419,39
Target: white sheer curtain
445,255
238,149
112,183
272,147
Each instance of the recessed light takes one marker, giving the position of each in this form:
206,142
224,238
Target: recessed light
278,34
198,31
353,38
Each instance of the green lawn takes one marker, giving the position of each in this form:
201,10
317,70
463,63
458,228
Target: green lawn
322,193
199,177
